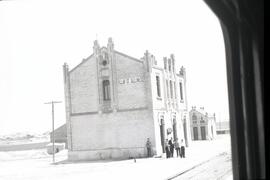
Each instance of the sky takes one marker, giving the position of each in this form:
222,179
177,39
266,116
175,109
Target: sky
38,36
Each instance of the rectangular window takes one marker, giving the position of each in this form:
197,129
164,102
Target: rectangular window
171,89
170,65
181,91
167,86
158,86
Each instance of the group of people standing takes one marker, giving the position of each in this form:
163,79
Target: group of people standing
169,148
171,145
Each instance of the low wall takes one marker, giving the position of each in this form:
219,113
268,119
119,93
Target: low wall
22,147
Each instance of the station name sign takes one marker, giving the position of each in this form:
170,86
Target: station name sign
131,80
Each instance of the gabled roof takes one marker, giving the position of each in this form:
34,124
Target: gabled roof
135,59
83,61
62,128
89,57
199,111
202,111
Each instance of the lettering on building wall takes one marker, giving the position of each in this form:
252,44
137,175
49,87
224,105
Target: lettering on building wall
131,80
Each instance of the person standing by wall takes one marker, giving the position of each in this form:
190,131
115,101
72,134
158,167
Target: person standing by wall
148,147
171,147
182,153
167,148
177,147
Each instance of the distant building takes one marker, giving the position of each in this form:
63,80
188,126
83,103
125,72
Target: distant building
60,135
114,102
202,124
223,127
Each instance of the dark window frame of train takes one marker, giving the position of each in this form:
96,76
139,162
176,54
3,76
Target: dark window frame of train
242,24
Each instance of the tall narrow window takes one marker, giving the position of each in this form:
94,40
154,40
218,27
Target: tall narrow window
106,90
171,89
174,89
158,86
181,91
167,86
170,64
106,57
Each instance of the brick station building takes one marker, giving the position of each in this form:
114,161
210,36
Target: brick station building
114,102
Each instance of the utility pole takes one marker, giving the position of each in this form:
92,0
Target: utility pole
52,103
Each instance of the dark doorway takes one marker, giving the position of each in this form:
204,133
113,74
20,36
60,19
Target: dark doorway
195,133
162,134
203,133
174,129
185,132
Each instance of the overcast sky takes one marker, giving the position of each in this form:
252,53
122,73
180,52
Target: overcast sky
38,36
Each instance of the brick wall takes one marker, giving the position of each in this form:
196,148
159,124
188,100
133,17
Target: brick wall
130,94
83,87
112,130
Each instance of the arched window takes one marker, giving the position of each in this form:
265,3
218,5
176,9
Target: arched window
194,117
162,120
202,120
106,90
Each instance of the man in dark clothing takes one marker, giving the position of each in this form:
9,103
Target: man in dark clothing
177,147
148,147
171,147
167,149
182,154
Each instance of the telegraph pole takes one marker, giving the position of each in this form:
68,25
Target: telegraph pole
52,103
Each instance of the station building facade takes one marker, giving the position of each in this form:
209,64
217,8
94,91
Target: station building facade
203,124
114,102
